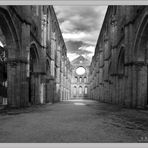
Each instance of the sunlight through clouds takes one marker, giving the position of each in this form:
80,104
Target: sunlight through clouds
74,36
80,26
72,56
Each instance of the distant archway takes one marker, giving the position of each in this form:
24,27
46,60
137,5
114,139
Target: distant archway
9,50
33,64
75,91
76,79
85,90
80,90
141,41
85,80
80,79
3,72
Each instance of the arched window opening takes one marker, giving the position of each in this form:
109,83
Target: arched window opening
80,90
80,79
3,69
141,57
76,79
33,58
142,52
85,90
75,90
85,80
33,61
9,46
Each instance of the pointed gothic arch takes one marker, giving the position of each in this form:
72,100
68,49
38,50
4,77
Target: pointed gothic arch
33,61
140,61
140,43
10,47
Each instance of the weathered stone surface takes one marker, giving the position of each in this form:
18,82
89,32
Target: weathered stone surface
80,83
124,44
35,47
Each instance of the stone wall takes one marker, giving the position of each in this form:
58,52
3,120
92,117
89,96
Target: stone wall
119,64
80,83
31,37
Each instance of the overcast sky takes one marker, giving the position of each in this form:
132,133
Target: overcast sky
80,26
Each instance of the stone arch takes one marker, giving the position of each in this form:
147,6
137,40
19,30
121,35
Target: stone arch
140,43
76,79
34,46
80,79
140,68
11,45
75,91
3,69
34,57
10,32
85,79
85,90
80,91
34,77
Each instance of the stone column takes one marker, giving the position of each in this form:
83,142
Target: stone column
128,86
18,95
17,83
140,86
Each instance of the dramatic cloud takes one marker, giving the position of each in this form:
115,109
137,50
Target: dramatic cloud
78,47
80,26
72,56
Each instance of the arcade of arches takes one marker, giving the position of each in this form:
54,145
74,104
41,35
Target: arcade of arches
35,69
121,76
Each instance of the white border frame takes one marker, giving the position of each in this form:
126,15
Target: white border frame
73,2
64,3
74,145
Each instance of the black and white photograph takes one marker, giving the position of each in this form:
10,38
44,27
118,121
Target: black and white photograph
73,73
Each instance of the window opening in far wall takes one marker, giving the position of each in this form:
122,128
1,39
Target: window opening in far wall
80,90
85,90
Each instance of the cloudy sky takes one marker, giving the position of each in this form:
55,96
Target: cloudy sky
80,26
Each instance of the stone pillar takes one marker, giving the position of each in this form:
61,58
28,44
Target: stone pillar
17,83
37,88
17,91
47,92
13,78
128,86
140,92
